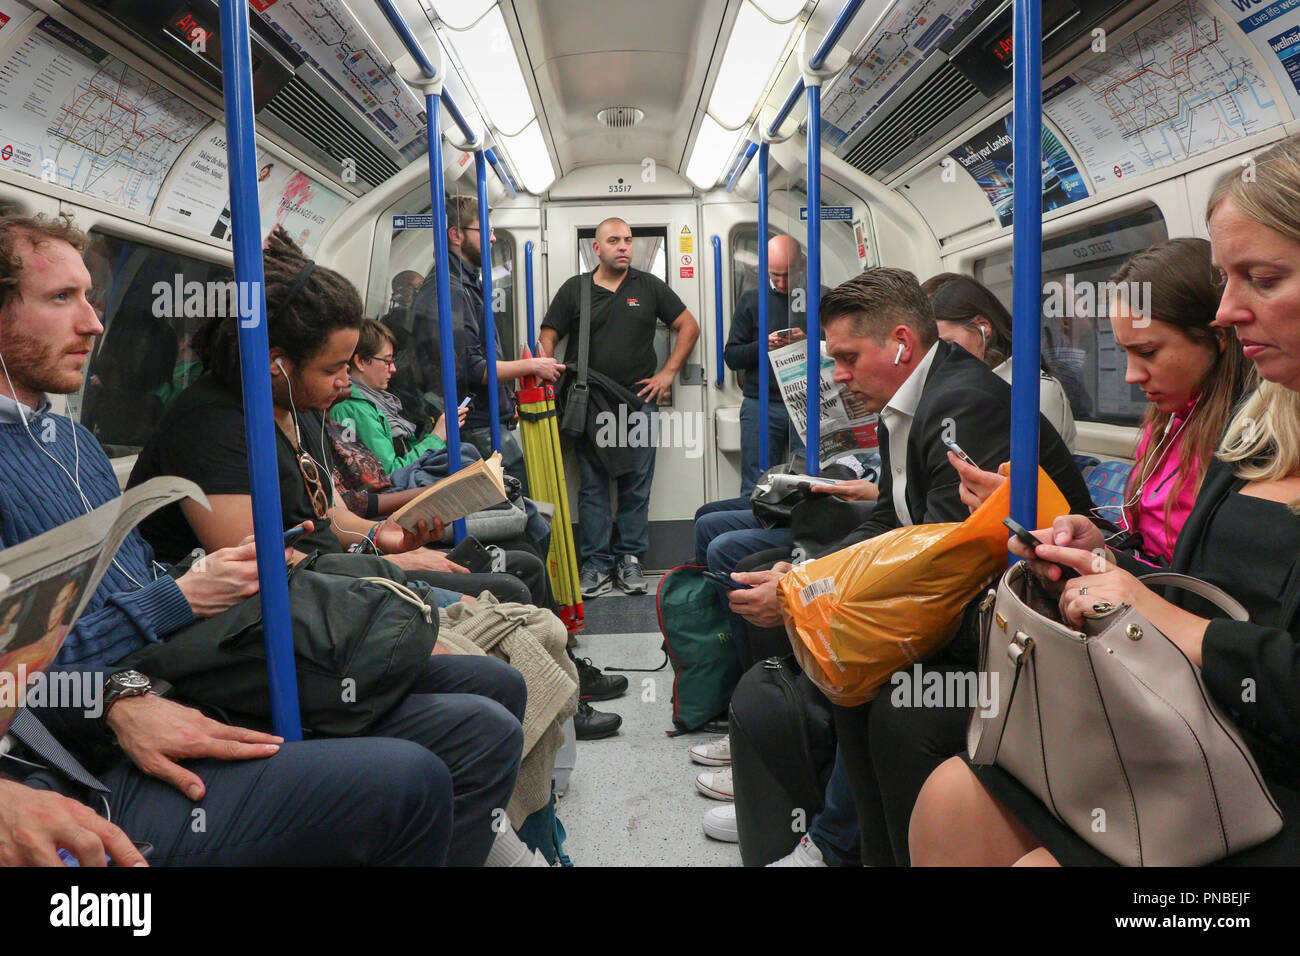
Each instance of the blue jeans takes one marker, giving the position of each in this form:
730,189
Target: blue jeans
835,830
782,439
602,538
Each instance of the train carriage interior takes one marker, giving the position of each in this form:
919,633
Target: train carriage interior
112,111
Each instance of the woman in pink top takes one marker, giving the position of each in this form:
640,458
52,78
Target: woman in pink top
1192,374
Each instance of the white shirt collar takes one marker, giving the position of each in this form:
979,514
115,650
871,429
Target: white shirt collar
908,395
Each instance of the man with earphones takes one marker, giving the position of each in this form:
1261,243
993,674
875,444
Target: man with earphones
146,761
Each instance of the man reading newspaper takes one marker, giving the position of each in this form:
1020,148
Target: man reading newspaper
264,801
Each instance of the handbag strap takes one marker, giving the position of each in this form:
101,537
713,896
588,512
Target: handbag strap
1203,589
584,329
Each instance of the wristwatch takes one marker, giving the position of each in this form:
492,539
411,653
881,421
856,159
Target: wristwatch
127,683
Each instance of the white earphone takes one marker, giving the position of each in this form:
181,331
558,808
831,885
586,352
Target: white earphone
984,337
899,356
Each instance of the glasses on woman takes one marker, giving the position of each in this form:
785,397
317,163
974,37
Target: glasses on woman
320,502
392,366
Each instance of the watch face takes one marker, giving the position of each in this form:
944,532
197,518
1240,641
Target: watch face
129,680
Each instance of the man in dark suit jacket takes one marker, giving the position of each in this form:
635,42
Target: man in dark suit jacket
881,332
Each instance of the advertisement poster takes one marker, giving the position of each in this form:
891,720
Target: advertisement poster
988,157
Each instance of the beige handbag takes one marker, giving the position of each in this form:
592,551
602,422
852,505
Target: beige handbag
1115,731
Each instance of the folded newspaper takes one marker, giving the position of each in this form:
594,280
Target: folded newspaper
845,427
474,488
47,581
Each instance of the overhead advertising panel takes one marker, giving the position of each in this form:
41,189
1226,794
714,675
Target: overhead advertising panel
910,32
1274,28
1179,86
988,157
75,116
325,33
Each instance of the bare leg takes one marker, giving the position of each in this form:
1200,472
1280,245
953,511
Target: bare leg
956,822
1039,857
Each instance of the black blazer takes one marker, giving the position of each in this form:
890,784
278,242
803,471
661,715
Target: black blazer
962,388
1234,652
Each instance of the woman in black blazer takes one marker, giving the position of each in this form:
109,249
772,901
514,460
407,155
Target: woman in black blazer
1243,535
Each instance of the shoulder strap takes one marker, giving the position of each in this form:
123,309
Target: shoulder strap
584,330
1219,598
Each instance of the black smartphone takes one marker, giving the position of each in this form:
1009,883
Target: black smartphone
726,581
1029,541
293,534
471,554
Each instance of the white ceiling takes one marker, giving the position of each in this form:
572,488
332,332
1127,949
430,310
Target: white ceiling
589,54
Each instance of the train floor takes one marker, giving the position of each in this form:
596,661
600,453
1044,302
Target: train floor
632,799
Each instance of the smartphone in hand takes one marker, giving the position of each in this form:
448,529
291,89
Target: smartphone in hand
726,581
957,450
1029,541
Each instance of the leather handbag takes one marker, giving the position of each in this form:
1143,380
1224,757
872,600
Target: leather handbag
1114,731
575,398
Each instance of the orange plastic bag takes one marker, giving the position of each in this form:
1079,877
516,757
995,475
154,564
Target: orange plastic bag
856,616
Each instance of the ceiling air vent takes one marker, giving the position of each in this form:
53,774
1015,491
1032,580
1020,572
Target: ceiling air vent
940,100
620,117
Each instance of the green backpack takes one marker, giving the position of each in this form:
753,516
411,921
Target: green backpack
697,638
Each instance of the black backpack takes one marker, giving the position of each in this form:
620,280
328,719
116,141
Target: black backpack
782,752
361,637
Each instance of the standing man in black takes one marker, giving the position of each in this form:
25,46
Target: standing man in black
625,305
469,320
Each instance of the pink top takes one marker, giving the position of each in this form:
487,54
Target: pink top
1147,516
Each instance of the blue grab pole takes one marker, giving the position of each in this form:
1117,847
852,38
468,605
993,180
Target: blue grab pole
255,371
1026,332
750,149
720,378
489,315
764,307
502,173
528,285
813,294
446,346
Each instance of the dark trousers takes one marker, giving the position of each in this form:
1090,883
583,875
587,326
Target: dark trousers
604,539
359,802
524,581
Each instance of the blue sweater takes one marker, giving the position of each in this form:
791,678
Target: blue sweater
36,496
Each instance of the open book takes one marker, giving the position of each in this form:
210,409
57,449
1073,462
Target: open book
47,581
473,488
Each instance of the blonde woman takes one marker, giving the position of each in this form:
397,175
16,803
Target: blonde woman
1243,534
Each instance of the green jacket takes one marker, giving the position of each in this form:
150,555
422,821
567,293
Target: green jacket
372,430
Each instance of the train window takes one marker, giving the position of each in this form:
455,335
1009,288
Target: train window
151,301
1077,341
744,259
648,244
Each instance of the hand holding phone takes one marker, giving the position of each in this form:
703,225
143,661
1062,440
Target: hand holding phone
726,581
957,450
293,534
466,402
1029,541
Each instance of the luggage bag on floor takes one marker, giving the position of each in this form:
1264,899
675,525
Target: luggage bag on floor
782,754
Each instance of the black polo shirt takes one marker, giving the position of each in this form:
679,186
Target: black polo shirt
622,323
201,437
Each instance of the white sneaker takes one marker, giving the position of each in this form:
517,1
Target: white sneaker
805,854
716,784
720,823
715,754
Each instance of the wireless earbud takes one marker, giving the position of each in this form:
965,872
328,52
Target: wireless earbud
899,356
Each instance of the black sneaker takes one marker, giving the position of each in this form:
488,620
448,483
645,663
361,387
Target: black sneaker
628,575
595,685
594,583
591,724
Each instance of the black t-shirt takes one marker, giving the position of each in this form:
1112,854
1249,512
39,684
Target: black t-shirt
622,323
201,437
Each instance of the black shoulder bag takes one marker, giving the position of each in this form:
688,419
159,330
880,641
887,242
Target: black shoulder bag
573,412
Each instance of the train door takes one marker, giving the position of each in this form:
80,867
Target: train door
666,242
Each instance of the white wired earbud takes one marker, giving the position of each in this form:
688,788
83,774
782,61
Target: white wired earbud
899,355
984,337
76,463
1162,449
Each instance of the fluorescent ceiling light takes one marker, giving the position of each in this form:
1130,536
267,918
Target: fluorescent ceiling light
459,14
713,147
752,52
779,10
530,159
488,61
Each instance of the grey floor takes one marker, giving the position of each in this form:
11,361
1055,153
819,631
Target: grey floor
632,799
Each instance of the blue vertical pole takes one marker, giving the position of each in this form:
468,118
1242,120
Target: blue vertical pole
720,378
1027,257
764,374
255,370
528,283
489,314
813,294
446,346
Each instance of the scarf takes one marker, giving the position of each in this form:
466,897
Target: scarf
390,405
